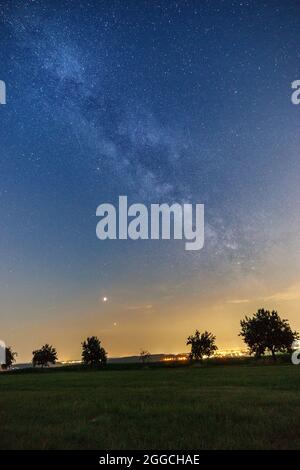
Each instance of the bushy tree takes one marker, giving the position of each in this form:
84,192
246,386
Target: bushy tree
145,356
266,331
93,354
202,344
44,356
10,357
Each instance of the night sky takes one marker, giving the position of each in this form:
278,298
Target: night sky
162,101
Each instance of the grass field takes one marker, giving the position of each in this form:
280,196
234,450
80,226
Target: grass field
222,407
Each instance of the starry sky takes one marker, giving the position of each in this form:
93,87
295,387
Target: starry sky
162,101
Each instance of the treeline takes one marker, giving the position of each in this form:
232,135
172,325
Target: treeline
264,332
93,354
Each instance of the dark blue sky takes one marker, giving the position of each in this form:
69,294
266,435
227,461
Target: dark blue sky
183,101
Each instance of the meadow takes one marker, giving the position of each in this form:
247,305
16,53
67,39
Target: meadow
191,407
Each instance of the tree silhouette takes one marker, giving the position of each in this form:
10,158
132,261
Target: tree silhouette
10,358
93,354
44,356
202,344
145,356
266,331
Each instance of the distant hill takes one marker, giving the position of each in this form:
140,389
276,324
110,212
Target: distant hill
153,358
112,360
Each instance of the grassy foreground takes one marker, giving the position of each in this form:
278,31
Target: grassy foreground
225,407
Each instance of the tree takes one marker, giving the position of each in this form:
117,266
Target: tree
93,354
44,356
266,331
10,358
145,356
202,344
